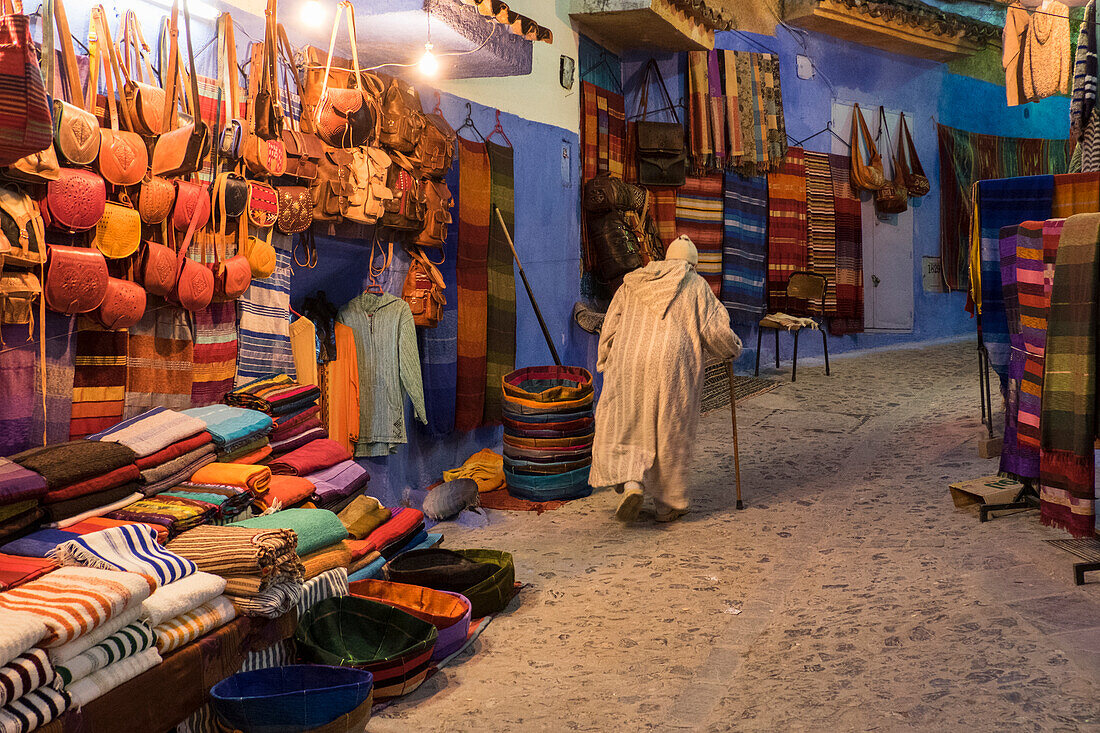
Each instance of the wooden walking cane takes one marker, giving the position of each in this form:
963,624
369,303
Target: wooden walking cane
733,415
530,293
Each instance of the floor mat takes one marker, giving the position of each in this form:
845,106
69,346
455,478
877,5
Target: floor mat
716,391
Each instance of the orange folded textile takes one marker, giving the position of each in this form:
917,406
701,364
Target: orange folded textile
253,478
287,490
255,457
328,558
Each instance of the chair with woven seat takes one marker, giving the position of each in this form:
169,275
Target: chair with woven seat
805,299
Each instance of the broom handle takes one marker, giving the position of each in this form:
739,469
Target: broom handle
733,416
530,293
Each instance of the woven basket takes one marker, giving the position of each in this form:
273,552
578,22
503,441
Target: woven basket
554,384
448,612
492,594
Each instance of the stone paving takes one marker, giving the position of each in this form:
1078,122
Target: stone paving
848,595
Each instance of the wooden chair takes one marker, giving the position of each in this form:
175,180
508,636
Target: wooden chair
805,299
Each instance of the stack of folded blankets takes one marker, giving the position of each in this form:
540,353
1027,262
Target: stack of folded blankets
292,406
169,446
240,434
20,493
548,432
290,482
84,478
260,566
15,570
338,485
41,543
379,534
29,698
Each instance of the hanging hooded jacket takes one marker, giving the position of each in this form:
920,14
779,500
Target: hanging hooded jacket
389,370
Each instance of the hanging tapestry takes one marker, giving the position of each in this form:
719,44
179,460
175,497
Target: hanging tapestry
787,228
60,348
439,345
745,247
161,359
966,157
472,280
699,205
1075,193
500,324
662,207
700,136
1018,244
603,132
99,377
263,328
848,214
17,378
1034,291
1068,425
215,353
821,220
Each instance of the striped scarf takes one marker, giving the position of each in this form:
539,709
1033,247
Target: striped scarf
132,548
700,139
500,329
603,132
1018,245
98,684
33,710
60,352
263,341
821,220
198,622
1034,309
330,584
215,353
787,227
848,213
472,279
99,377
1068,424
17,378
699,205
126,642
160,364
745,247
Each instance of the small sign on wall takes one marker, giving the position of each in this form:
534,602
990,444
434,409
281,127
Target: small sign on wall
932,275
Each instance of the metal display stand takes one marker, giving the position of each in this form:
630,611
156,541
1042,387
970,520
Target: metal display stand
1088,549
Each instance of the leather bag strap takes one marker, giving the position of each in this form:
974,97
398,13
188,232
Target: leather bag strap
68,56
652,69
171,83
228,71
914,161
343,7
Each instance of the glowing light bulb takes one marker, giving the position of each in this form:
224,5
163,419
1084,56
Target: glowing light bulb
429,64
313,13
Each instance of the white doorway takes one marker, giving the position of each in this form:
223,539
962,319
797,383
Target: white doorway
887,241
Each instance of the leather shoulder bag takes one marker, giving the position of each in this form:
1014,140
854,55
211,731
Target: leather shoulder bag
369,193
230,199
295,209
40,167
156,268
263,155
916,182
263,205
403,120
423,291
661,153
303,149
76,279
232,133
22,231
123,158
435,152
143,100
118,233
866,176
405,211
192,200
332,189
259,252
19,290
232,275
437,214
123,304
75,202
346,118
194,282
27,126
156,197
181,149
892,198
76,131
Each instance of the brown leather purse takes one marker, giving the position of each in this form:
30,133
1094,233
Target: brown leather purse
123,157
76,131
423,291
76,279
157,268
22,231
142,100
892,198
437,201
194,283
18,291
75,201
347,118
182,149
332,189
295,209
912,172
435,152
866,176
123,304
228,144
369,192
263,205
263,151
232,275
403,119
230,199
156,197
41,167
303,149
192,200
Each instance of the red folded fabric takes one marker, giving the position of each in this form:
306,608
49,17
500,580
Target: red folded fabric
16,570
288,490
105,482
310,458
174,451
403,521
96,524
296,418
256,456
297,429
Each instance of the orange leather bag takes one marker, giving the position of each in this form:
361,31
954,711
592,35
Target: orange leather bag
123,158
182,148
347,118
76,131
867,176
141,98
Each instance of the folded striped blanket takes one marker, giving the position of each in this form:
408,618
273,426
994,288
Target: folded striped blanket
24,674
40,543
176,514
63,464
171,600
311,458
73,601
175,450
33,710
314,528
309,434
18,483
230,500
329,584
152,431
289,420
187,627
89,504
273,395
250,447
192,459
100,683
270,603
229,424
16,570
97,484
76,647
126,642
236,549
132,548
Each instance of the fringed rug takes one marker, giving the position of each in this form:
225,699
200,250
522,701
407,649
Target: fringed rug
716,391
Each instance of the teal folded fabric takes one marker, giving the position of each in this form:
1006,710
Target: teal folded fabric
229,425
316,528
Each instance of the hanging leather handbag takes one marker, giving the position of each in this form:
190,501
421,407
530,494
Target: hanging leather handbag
403,120
264,155
916,182
142,100
347,118
123,158
435,150
437,201
76,131
405,211
661,152
27,126
156,268
232,275
180,150
18,291
40,167
369,193
423,291
194,282
303,149
118,233
76,279
156,198
605,193
295,209
123,305
22,231
259,252
75,202
892,198
332,189
192,200
267,116
613,245
263,205
230,198
866,176
232,133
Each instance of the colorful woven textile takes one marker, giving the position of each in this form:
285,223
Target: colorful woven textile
99,683
19,484
330,584
169,601
603,132
168,475
16,570
151,431
128,474
787,225
315,528
821,221
1003,203
231,501
309,434
340,480
263,312
699,206
200,621
316,456
274,395
83,643
215,353
272,602
236,549
700,135
1068,425
99,378
25,673
1034,310
60,352
662,207
18,633
745,247
63,464
176,514
253,478
73,601
439,346
17,378
286,491
500,325
33,710
474,209
174,451
285,423
64,513
848,215
126,642
1021,254
131,548
1075,193
326,559
229,425
39,544
161,359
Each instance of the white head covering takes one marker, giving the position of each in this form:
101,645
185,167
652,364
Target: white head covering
682,249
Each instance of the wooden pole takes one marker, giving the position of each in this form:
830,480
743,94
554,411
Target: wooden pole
733,416
530,293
